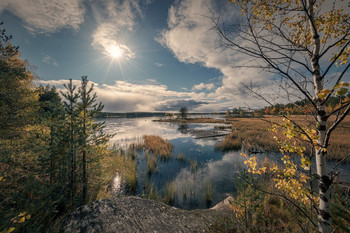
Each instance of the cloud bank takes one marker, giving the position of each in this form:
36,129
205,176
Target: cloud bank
189,36
124,96
46,16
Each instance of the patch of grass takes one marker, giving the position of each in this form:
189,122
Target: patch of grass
194,166
252,133
158,146
114,162
209,191
152,193
152,163
184,192
339,146
230,142
170,194
181,157
138,145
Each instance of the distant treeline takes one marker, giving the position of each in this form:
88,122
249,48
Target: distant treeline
301,107
296,108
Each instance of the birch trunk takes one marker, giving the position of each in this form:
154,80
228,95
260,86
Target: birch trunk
324,182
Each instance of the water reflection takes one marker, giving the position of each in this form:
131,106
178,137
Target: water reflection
183,128
130,130
212,168
218,173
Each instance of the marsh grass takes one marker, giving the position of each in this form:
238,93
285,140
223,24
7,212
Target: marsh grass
152,193
113,162
181,157
152,163
185,192
170,194
154,147
138,146
253,135
158,146
208,194
194,166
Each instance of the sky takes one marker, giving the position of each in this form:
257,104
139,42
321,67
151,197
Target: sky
141,55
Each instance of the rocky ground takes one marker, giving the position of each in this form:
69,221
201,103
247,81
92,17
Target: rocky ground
133,214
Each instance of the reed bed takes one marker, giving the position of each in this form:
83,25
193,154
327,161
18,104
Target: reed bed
158,146
117,162
170,194
253,135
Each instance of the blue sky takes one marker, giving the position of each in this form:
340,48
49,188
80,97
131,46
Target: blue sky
142,55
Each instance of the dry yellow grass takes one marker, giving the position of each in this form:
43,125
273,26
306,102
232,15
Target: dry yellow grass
253,133
158,146
250,132
112,163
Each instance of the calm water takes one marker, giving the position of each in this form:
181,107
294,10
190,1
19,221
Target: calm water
215,169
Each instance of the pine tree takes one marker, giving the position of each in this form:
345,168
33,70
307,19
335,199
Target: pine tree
70,104
52,115
17,92
88,110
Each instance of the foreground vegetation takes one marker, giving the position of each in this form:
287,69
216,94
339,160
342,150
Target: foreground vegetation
258,207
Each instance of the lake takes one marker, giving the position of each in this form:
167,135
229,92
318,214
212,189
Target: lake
201,169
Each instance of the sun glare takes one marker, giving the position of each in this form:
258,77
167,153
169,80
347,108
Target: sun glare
115,51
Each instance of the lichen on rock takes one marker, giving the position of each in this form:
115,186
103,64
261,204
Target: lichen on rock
133,214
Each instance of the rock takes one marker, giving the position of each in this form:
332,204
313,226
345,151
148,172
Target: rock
223,205
133,214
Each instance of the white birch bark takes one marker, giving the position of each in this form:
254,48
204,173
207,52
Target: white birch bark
324,182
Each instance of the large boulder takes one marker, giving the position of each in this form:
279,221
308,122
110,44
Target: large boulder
133,214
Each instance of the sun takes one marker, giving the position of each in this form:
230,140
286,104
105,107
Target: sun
115,51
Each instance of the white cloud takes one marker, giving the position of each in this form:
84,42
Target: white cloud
105,38
201,86
46,16
123,96
190,38
116,19
127,97
158,64
49,60
150,80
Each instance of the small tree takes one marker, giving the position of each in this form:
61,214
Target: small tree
88,110
70,104
52,115
183,112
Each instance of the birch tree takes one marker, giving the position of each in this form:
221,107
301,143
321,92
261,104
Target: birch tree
305,43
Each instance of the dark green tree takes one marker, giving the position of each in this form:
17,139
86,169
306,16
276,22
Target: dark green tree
88,110
70,104
17,91
183,112
52,115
